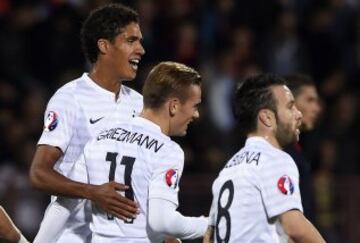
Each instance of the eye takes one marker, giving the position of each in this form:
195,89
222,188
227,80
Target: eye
131,39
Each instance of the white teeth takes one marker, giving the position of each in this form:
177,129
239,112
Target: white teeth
134,61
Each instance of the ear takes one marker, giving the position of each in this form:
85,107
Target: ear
103,45
266,117
173,106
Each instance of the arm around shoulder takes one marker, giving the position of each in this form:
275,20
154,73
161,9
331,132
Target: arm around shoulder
298,228
42,166
44,177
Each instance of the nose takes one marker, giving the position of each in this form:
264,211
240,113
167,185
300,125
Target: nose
141,49
299,115
317,108
196,114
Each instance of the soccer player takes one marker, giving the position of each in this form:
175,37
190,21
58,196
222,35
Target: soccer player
142,155
307,101
8,230
256,196
111,40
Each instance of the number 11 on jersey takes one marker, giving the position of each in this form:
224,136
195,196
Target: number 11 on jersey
128,162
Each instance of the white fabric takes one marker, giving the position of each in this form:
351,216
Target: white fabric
98,238
23,239
164,221
257,200
152,155
49,230
76,103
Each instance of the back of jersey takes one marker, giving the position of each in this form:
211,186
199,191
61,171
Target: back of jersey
246,196
125,153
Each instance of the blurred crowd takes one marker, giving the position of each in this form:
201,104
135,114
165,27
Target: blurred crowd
225,40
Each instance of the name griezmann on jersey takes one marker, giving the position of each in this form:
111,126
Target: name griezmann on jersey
122,135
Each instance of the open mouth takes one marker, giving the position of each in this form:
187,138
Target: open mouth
134,63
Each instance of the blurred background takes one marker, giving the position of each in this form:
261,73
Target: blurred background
225,40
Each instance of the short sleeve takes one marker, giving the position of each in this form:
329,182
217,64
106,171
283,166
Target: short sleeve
167,171
279,181
59,119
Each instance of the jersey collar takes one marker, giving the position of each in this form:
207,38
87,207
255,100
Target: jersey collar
100,89
258,140
148,123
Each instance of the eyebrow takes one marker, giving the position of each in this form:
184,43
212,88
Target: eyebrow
134,37
291,103
197,104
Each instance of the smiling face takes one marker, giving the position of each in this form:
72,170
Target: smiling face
123,54
288,116
185,112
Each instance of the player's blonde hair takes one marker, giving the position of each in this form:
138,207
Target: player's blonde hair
168,79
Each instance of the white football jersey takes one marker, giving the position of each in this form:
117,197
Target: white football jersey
257,184
76,113
137,154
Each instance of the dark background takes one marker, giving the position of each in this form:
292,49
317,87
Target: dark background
225,40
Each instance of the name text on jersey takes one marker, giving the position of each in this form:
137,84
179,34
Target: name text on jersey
122,135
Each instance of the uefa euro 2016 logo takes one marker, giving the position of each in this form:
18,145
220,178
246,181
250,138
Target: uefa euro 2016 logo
286,185
171,178
51,121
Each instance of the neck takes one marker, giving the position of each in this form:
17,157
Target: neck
157,117
105,80
268,137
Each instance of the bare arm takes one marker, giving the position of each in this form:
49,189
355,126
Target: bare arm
44,177
8,230
209,235
298,228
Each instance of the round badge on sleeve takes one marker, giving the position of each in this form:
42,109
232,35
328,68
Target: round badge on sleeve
51,121
286,185
171,178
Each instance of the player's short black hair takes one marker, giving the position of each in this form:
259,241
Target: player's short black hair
104,22
252,95
298,80
168,79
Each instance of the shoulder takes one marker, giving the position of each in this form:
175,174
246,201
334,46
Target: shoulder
131,92
65,98
173,150
68,90
280,156
277,161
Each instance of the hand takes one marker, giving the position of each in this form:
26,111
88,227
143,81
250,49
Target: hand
106,196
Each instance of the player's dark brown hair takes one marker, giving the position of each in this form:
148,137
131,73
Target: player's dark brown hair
296,81
104,22
168,79
252,95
